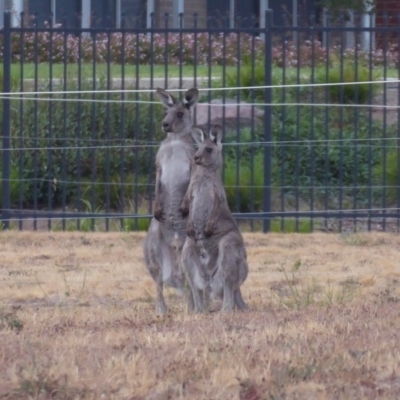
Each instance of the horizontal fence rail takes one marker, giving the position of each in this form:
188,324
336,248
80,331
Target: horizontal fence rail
310,115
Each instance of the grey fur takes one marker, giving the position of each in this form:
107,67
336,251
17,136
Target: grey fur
214,256
166,235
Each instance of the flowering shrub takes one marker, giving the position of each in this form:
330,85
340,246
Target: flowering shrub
188,48
200,48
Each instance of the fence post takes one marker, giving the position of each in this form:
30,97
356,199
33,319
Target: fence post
267,120
5,180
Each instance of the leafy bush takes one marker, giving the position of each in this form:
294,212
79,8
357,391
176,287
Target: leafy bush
391,171
242,189
250,76
16,186
312,162
70,143
359,93
317,151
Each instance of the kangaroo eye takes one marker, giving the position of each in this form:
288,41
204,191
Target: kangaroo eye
179,114
209,150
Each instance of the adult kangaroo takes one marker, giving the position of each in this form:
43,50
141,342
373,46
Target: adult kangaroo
166,235
214,256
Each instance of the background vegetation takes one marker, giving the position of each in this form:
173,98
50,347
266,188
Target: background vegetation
97,151
318,152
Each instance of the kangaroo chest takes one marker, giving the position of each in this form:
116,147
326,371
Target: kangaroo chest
202,203
174,159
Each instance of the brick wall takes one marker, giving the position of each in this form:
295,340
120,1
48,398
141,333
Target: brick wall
392,8
190,7
199,7
387,14
160,8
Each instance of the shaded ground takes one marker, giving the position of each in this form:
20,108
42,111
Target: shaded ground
77,321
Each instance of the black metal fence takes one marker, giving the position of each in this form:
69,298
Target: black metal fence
310,115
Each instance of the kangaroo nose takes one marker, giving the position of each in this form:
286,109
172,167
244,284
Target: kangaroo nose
165,125
196,159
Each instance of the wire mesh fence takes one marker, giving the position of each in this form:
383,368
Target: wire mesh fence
311,124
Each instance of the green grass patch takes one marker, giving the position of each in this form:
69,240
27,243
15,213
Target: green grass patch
172,71
43,70
290,225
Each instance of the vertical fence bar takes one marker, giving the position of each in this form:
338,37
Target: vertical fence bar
93,131
35,118
225,28
384,132
398,128
195,20
6,200
50,142
108,142
238,151
79,133
180,53
327,36
21,126
370,142
297,147
355,124
151,109
122,132
166,17
65,117
137,137
282,135
341,92
209,61
252,126
267,120
312,130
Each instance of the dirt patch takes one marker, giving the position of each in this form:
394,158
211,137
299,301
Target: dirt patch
77,321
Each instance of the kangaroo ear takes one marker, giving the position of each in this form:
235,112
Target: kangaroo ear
216,134
191,98
166,98
198,135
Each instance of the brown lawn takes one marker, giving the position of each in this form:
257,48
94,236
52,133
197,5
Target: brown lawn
77,321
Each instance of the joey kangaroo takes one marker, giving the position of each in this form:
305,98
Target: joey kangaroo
214,256
165,238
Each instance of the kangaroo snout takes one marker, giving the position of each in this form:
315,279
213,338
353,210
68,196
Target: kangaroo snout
197,159
166,126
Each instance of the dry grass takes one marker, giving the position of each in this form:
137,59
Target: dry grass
77,321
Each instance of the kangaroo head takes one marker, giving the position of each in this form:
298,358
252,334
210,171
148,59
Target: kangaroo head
177,117
209,153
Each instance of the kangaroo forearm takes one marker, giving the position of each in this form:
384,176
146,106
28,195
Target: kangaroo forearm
185,205
186,201
157,191
158,206
157,201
